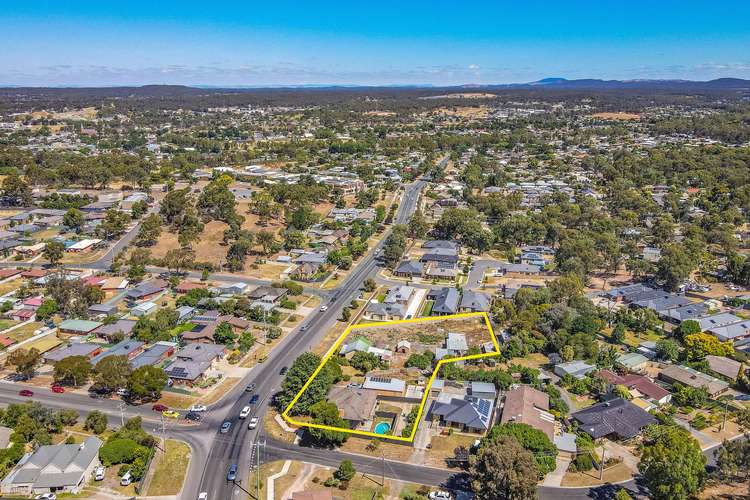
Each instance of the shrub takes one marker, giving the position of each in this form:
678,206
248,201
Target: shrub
118,451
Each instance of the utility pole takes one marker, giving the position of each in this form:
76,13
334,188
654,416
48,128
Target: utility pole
382,481
601,464
121,406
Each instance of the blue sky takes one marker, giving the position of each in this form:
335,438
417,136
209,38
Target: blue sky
134,42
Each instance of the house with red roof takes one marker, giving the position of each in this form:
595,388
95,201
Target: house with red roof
639,386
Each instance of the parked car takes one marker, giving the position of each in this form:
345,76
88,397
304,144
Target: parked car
203,495
198,408
99,473
171,414
191,415
245,412
283,370
225,427
25,392
232,474
160,407
253,423
58,389
126,479
250,387
46,496
254,399
439,495
123,392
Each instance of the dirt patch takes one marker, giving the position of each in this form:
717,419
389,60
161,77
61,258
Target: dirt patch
617,116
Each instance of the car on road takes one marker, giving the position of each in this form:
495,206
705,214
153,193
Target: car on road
303,328
25,392
245,412
203,495
160,407
253,423
283,370
198,408
225,427
171,414
99,473
254,399
232,474
123,392
191,415
250,387
323,308
46,496
58,389
439,495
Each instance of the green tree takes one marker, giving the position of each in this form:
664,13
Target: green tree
688,327
673,465
53,252
46,310
503,470
667,349
618,334
699,345
112,373
96,422
418,225
150,230
224,334
15,191
369,285
74,370
147,382
74,220
326,413
114,224
531,439
346,471
674,266
25,361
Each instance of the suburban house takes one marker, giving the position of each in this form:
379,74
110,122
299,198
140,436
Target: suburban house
616,419
111,332
356,405
445,256
78,326
445,301
724,366
639,386
693,378
518,270
395,306
193,361
75,349
576,369
632,361
409,269
146,290
143,309
683,313
385,386
452,245
128,348
460,408
102,309
455,346
268,294
62,468
154,355
472,301
526,405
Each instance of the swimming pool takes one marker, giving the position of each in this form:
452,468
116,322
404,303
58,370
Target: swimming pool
382,428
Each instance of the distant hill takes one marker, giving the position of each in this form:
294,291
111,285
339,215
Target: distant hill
598,84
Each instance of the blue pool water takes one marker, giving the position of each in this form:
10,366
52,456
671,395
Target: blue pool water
382,428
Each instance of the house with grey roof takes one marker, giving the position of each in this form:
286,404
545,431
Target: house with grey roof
662,302
154,355
112,330
75,349
717,320
445,300
683,313
733,332
724,366
576,369
691,377
616,418
194,362
467,414
453,245
472,301
129,348
409,269
62,468
443,255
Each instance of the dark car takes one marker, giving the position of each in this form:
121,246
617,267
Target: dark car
159,407
254,399
26,392
284,370
250,387
232,474
194,416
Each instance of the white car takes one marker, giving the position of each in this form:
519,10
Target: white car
439,495
323,308
197,408
245,412
46,496
99,473
253,423
203,496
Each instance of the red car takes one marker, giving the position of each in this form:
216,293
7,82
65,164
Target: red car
159,407
26,392
58,389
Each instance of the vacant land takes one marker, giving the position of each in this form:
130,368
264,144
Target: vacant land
170,469
617,116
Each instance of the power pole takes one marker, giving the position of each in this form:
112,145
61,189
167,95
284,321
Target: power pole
121,406
601,464
382,482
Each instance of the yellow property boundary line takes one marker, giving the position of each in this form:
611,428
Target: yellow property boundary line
334,349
